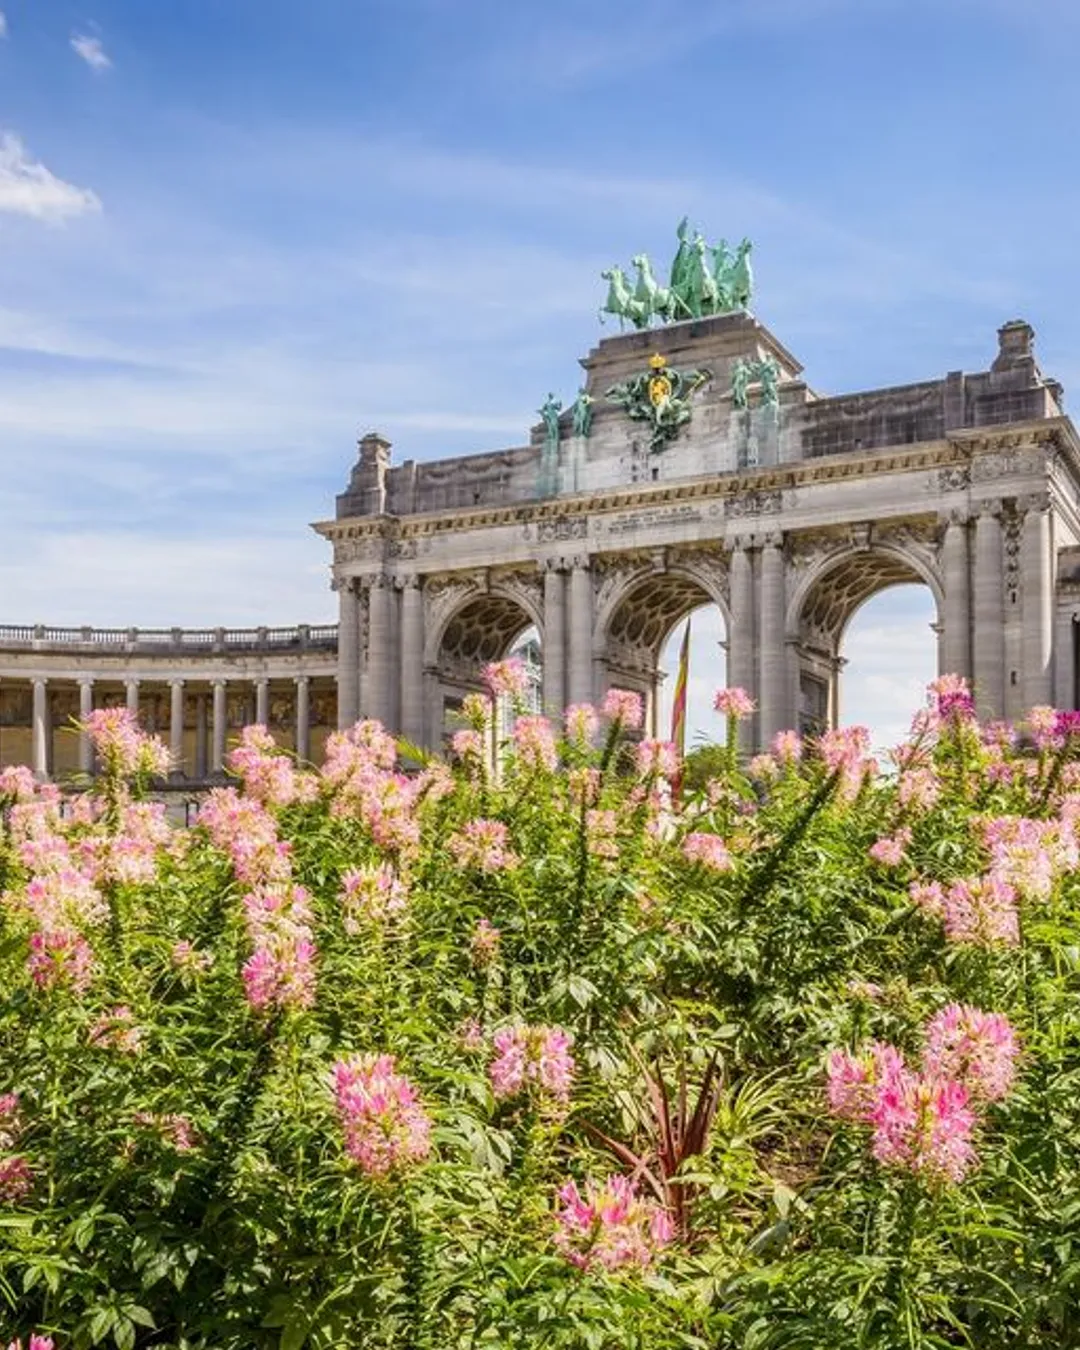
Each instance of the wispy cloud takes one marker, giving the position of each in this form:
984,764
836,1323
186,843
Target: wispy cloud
27,188
92,51
3,24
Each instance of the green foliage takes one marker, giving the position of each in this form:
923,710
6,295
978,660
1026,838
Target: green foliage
702,1005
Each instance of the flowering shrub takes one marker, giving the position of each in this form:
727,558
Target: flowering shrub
550,1051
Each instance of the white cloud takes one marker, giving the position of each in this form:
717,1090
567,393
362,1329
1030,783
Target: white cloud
3,24
27,188
91,50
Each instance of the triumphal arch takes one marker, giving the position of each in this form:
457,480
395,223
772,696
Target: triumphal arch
697,464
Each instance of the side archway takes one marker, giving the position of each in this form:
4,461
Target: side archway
479,626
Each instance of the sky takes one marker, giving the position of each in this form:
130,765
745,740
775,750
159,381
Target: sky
236,235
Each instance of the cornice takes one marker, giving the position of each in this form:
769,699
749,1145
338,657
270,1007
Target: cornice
958,448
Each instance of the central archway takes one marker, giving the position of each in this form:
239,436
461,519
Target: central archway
641,632
821,611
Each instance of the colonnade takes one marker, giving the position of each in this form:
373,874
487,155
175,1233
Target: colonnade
210,709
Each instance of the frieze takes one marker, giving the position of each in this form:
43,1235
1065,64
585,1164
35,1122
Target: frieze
557,530
1007,462
754,504
953,478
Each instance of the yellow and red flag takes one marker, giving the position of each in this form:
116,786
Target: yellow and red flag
678,702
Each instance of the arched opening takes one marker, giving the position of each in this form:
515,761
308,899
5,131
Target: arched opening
488,628
891,643
643,647
888,655
706,673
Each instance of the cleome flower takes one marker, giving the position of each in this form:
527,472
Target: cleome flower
609,1226
384,1122
532,1056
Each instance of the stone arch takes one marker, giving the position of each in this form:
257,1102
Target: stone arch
638,613
479,624
822,605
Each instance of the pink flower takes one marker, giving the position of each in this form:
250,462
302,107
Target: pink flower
581,723
1030,855
59,957
268,776
610,1226
624,708
601,834
762,767
536,1054
280,973
373,894
734,702
656,759
122,748
467,744
471,1035
11,1124
918,786
889,850
924,1125
506,679
485,943
977,1049
707,850
845,753
36,1343
584,786
384,1123
1042,722
116,1030
174,1130
950,699
534,744
482,844
16,1179
855,1081
787,746
981,911
17,783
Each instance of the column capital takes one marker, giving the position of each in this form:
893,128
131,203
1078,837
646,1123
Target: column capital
552,566
219,682
84,681
299,680
580,562
774,539
956,515
258,680
990,506
39,681
176,682
407,583
739,543
1033,501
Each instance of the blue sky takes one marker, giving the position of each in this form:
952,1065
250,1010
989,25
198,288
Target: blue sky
235,235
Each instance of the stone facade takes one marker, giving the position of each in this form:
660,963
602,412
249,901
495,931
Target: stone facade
787,517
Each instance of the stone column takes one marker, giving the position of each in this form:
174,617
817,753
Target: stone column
303,716
553,647
775,714
86,707
131,697
380,659
348,672
989,604
741,637
412,661
1037,601
201,729
40,728
955,646
1065,660
176,727
580,683
217,752
262,701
